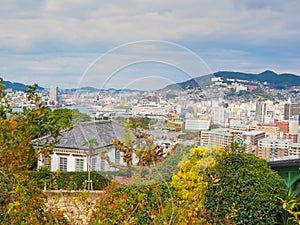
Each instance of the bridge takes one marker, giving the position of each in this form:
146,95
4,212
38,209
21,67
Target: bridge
289,170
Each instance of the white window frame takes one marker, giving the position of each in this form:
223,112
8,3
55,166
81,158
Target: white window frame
79,164
94,164
63,163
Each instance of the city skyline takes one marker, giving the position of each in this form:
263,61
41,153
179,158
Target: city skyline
54,43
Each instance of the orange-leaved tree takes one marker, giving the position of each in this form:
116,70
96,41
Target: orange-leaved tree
21,202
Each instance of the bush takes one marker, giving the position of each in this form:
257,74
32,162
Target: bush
133,205
242,190
189,186
67,180
22,202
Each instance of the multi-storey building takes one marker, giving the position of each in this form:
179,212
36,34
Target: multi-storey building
270,148
214,138
294,149
291,109
261,109
53,95
253,136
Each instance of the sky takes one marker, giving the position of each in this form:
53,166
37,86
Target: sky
144,44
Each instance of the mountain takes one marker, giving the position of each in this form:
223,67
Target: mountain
274,80
92,89
202,81
15,86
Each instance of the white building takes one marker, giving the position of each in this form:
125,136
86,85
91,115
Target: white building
218,113
53,96
197,124
72,152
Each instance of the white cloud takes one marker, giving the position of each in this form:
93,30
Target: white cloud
236,32
82,22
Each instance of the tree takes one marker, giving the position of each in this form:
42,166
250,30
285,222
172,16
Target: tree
242,189
136,143
21,202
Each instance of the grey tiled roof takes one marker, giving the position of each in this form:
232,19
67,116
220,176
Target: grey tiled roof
102,131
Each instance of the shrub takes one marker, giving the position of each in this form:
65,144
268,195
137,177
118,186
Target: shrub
22,202
189,186
242,190
67,180
133,205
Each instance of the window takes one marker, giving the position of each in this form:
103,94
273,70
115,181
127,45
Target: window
94,161
47,162
79,165
117,156
102,165
63,163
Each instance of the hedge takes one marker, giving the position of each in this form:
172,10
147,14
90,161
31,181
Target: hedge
67,180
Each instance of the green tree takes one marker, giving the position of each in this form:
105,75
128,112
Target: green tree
242,189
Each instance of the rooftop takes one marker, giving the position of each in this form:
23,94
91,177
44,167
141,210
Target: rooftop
253,132
76,138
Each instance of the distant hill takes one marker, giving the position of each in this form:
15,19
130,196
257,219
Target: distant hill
274,80
15,86
202,81
92,89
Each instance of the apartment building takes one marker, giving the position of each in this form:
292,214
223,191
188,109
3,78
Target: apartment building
294,149
215,138
270,148
253,136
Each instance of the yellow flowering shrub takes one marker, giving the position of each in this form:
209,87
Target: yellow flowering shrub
188,183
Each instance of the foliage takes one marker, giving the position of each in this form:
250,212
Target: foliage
290,215
64,118
139,122
67,180
256,94
242,189
189,186
290,204
137,143
122,204
21,202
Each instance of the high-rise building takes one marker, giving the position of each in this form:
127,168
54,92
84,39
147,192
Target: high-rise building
218,113
261,110
291,109
53,95
293,125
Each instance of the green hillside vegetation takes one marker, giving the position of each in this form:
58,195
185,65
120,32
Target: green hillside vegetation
273,79
257,94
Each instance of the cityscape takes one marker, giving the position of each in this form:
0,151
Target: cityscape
268,124
150,112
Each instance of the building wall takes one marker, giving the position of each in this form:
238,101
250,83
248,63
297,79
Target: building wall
194,124
269,148
97,163
291,109
294,149
261,109
213,138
